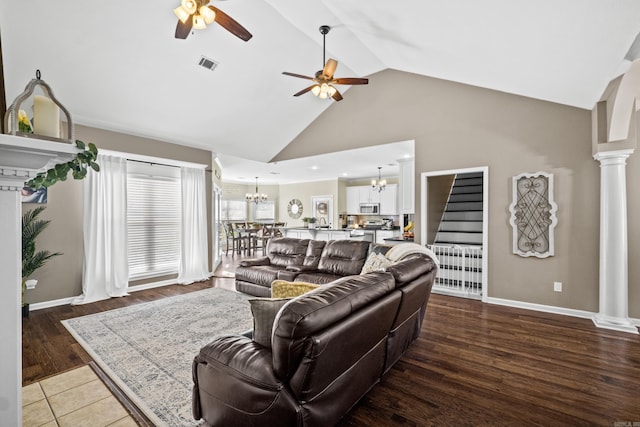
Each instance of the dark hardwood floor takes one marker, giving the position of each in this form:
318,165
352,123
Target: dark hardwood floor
474,364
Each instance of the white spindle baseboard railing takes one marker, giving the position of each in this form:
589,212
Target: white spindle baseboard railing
460,272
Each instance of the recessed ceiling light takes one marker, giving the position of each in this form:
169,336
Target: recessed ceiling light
406,156
344,174
315,168
274,173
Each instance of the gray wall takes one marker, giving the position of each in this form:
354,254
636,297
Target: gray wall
460,126
62,276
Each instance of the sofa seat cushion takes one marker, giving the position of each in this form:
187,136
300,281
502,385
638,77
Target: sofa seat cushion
317,277
260,274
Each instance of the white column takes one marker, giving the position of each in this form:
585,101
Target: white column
614,293
10,312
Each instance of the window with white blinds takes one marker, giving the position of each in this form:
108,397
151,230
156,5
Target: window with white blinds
234,210
264,211
153,220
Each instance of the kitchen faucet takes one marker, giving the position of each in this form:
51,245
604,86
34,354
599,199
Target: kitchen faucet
322,220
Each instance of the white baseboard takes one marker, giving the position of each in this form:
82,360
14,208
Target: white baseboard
549,308
151,285
66,301
48,304
541,307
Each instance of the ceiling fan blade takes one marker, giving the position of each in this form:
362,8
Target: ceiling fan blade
351,81
231,24
286,73
183,30
330,68
303,91
336,96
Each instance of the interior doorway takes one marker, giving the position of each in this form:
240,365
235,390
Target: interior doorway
454,224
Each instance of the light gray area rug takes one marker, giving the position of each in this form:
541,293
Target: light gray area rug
147,349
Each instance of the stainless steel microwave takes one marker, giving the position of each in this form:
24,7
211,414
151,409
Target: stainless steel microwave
370,208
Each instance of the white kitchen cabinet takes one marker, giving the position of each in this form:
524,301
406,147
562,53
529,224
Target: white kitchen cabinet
353,200
389,200
406,189
369,195
299,233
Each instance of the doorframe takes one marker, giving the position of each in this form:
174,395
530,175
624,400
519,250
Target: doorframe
424,176
216,232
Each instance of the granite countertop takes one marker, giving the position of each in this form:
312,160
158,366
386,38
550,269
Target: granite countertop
317,229
348,230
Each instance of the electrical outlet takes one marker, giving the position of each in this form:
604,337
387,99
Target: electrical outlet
557,286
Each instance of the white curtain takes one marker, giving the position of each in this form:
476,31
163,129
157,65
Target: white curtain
194,251
106,270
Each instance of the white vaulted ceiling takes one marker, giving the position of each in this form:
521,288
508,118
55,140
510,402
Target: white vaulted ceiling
116,64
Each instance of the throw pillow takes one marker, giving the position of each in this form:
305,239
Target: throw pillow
264,312
284,289
380,248
375,262
399,251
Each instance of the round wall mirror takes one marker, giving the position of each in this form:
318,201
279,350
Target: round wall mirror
294,208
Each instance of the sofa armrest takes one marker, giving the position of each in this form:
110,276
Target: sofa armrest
264,260
239,353
287,275
234,381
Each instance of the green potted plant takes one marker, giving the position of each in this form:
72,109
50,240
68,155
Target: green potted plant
32,260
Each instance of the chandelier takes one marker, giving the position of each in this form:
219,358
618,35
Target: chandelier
379,184
256,197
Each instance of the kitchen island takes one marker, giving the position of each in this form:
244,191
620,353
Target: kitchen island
323,233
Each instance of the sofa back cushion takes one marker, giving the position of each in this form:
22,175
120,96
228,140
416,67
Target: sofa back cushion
318,310
285,251
343,257
314,252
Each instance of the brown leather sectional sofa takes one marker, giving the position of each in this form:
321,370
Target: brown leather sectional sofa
303,260
329,347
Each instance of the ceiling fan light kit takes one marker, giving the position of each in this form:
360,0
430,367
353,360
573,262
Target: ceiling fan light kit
197,14
324,80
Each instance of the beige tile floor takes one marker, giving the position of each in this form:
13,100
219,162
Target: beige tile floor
72,399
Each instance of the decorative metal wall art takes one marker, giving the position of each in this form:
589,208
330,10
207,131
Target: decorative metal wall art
533,215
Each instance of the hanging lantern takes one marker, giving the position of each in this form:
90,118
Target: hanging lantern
44,123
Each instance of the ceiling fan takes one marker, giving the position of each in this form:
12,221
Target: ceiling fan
197,14
324,80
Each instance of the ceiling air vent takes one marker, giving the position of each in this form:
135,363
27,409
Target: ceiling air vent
207,63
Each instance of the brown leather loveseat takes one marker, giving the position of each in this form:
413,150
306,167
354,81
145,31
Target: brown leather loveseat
314,261
329,347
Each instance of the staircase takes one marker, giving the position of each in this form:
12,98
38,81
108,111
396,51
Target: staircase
458,243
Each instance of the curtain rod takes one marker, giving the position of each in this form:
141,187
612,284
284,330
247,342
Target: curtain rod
151,160
160,164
